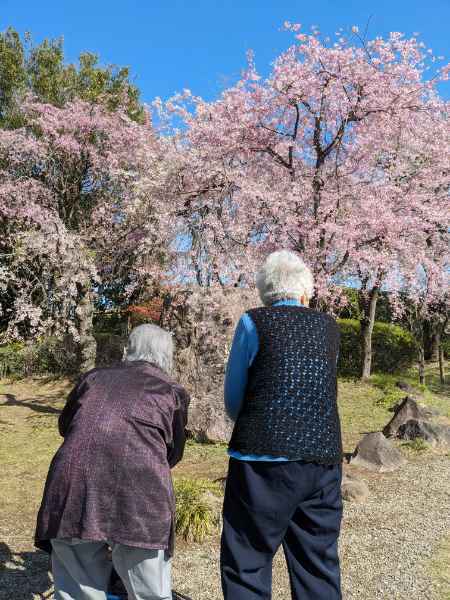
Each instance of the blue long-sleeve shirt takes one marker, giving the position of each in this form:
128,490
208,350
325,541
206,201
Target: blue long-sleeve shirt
243,351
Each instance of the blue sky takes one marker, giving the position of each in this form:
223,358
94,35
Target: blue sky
202,44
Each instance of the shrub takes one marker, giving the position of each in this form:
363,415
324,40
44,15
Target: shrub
195,515
52,355
390,398
393,348
12,360
46,355
109,322
418,445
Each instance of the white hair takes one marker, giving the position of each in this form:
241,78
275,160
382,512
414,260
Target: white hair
284,275
151,343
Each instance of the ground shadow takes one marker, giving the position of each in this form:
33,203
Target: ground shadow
24,575
11,400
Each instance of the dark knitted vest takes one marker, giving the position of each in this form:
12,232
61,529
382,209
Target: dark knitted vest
290,407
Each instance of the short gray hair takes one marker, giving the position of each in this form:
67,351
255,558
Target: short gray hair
284,275
151,343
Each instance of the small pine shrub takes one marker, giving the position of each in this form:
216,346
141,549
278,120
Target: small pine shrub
195,517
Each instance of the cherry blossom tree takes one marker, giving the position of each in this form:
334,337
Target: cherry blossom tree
402,212
332,155
81,204
425,299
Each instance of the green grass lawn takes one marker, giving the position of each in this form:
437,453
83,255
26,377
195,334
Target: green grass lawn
29,438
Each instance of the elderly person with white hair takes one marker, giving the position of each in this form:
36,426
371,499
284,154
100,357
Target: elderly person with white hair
109,485
284,478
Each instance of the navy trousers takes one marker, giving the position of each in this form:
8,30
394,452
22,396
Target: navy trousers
296,504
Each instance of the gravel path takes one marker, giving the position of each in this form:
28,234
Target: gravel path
385,546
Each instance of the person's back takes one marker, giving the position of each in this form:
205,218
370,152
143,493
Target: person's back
290,408
284,477
110,482
116,438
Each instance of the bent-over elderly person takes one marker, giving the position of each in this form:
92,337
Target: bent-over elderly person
109,484
284,478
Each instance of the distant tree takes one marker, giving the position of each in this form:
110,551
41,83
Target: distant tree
42,70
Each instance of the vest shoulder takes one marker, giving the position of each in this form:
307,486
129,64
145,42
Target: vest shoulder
300,310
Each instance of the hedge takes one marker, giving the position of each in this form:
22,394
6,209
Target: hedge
46,355
55,356
393,348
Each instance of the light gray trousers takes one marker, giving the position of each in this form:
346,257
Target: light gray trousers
81,570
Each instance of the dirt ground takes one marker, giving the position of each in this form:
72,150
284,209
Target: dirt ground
395,546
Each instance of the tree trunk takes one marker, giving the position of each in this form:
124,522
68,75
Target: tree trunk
435,346
367,323
441,364
421,364
84,320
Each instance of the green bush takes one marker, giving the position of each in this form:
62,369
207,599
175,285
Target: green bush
353,308
195,517
53,355
109,322
393,348
12,360
390,398
44,356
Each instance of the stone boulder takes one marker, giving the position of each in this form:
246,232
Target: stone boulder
406,387
433,433
429,412
203,322
376,453
404,411
354,489
208,423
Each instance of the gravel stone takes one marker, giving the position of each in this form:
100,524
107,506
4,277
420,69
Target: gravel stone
385,545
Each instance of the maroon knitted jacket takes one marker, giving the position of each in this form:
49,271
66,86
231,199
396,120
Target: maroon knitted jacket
123,429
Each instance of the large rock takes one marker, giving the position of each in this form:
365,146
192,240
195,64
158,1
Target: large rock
203,322
403,412
354,489
208,423
376,453
435,434
429,412
406,387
